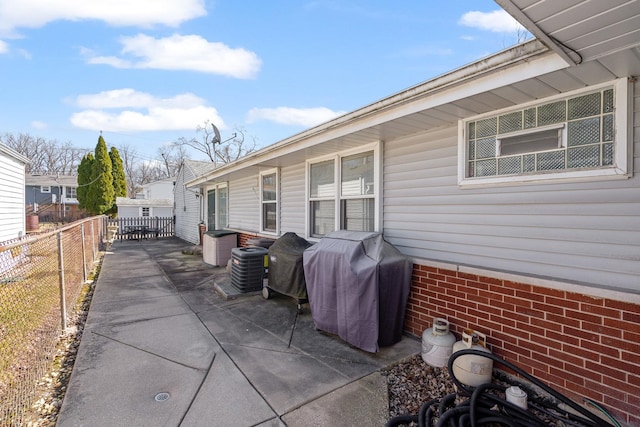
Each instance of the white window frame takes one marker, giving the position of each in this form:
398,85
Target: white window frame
45,189
337,196
217,187
142,212
276,172
68,190
621,168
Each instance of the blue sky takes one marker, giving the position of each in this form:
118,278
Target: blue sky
148,72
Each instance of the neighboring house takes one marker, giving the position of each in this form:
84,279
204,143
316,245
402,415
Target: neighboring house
53,197
190,210
161,189
12,193
155,200
512,184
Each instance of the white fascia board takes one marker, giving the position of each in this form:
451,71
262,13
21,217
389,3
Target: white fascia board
531,26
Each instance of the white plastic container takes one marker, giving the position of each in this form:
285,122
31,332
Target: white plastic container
437,343
517,396
470,369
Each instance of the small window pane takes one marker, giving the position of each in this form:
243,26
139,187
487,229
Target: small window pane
607,98
357,175
583,157
322,217
530,118
529,163
358,215
472,130
552,160
510,122
530,143
607,154
322,180
486,127
269,216
223,203
211,209
583,132
584,106
607,127
485,167
485,148
509,165
472,150
549,114
269,187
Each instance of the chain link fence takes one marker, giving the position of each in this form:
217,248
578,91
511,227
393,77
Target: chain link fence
41,278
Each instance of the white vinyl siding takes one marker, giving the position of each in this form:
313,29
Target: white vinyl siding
292,196
585,232
128,211
244,204
12,198
187,207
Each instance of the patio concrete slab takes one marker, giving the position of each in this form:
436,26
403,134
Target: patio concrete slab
242,361
365,399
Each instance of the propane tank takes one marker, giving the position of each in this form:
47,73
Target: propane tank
470,369
437,343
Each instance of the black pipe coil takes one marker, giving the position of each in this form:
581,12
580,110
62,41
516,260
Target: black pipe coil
484,408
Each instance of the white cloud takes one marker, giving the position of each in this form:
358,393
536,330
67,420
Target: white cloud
16,14
498,21
37,124
130,98
294,116
139,111
178,52
4,47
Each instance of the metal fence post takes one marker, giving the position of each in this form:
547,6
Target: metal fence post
63,303
84,255
93,242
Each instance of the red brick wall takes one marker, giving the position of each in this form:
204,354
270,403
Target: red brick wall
243,237
578,344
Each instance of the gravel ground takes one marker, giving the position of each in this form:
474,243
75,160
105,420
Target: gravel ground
413,382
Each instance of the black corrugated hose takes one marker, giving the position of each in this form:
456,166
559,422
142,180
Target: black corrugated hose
483,408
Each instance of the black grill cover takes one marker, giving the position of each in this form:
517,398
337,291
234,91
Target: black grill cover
286,274
358,286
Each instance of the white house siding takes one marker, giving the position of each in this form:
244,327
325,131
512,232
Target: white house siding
292,199
161,211
187,208
12,198
128,211
244,204
585,232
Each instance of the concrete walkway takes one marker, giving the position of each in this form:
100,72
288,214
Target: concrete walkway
161,347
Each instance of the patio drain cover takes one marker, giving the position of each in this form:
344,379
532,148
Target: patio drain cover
162,397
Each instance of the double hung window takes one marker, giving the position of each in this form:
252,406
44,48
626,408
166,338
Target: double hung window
343,193
269,201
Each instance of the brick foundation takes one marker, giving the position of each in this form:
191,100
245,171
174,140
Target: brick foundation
578,344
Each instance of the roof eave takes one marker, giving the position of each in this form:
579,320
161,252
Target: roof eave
517,54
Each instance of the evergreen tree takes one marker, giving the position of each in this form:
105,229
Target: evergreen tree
101,192
119,178
84,178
